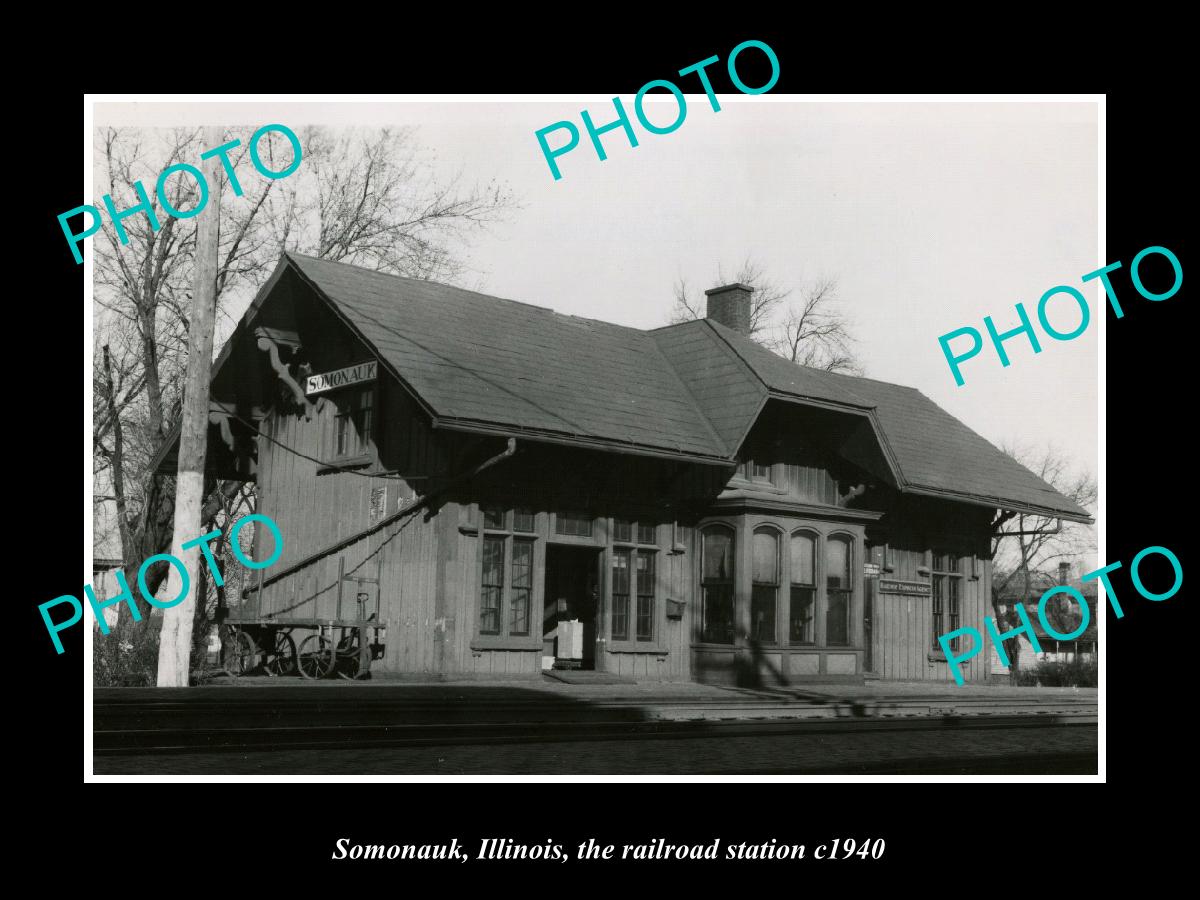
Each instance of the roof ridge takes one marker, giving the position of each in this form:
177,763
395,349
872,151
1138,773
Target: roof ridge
455,287
865,403
734,350
691,397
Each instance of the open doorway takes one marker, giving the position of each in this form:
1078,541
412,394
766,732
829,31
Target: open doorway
572,595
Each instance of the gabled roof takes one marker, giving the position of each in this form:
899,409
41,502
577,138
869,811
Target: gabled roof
693,390
475,359
930,450
940,456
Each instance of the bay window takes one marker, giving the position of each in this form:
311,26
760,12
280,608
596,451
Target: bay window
803,606
764,585
837,590
716,585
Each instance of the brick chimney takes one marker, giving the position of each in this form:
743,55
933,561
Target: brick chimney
730,305
1064,573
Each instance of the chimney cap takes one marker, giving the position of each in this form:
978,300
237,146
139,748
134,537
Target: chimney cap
736,286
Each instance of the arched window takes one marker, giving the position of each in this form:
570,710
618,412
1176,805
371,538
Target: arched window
803,600
765,585
837,590
716,582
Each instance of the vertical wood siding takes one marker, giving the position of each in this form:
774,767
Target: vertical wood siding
903,625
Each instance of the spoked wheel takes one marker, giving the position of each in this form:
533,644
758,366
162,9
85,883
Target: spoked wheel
283,657
316,656
241,653
349,661
349,665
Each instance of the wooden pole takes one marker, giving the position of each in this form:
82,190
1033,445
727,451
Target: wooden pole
175,646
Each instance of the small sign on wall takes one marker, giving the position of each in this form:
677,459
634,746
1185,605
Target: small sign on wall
378,503
871,570
328,381
908,588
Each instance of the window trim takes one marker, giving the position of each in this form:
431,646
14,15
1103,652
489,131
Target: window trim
365,448
818,541
635,538
776,532
851,591
950,619
628,553
555,534
747,473
635,547
733,531
820,533
636,595
505,639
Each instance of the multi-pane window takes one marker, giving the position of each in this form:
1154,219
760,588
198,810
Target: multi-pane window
946,603
506,572
716,609
625,529
493,517
573,523
804,589
645,595
633,574
837,590
764,585
491,585
620,594
355,420
522,586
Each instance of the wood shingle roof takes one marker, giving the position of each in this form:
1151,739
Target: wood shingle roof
692,390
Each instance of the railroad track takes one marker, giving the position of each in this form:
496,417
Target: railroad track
110,741
362,708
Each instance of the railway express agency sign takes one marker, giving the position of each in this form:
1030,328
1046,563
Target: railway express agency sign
908,588
319,384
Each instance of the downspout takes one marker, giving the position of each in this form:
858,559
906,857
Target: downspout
386,520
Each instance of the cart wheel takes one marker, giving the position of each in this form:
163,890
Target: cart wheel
241,653
316,656
348,659
283,657
349,665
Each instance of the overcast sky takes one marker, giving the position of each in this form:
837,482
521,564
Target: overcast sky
930,216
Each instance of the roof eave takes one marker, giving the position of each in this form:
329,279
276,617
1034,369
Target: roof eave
471,426
1001,503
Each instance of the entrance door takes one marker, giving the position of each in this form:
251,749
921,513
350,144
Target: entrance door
572,593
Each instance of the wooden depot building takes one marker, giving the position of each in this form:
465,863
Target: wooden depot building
476,470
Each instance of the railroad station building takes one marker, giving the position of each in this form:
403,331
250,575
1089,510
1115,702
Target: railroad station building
472,471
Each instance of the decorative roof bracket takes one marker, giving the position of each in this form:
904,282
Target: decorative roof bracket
269,340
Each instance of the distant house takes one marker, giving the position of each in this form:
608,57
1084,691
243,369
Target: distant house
1085,647
479,469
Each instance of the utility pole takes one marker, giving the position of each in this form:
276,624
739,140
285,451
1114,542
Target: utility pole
175,645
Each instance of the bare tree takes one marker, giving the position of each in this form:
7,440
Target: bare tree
1026,546
815,333
367,197
809,329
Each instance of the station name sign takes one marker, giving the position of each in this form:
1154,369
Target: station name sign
910,588
328,381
